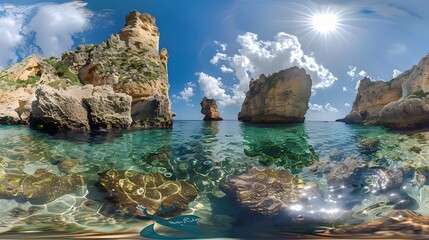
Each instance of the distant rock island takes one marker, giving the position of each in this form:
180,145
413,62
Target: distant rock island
210,110
400,103
119,83
279,98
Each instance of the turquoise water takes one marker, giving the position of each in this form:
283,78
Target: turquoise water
206,154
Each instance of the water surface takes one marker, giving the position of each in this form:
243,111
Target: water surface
206,154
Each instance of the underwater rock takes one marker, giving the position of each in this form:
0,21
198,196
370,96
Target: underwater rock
377,180
398,221
291,153
368,145
68,165
210,110
153,191
39,188
279,98
268,192
341,173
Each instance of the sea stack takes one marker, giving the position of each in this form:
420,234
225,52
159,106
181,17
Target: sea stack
279,98
400,103
119,83
210,110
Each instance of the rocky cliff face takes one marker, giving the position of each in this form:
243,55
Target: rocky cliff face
279,98
210,110
400,103
130,62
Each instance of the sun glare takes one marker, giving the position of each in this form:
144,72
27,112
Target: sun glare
325,23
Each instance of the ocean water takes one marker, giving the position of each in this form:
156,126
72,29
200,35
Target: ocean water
207,154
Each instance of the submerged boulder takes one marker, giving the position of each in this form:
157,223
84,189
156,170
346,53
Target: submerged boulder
153,191
210,110
279,98
268,192
38,188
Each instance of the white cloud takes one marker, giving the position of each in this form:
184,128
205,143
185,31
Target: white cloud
344,89
12,20
256,57
352,71
223,46
331,108
396,73
218,57
362,73
213,88
315,107
226,69
320,108
186,93
52,26
347,105
55,25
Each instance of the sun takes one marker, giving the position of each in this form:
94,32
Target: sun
325,23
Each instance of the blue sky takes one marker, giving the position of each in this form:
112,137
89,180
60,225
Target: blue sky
248,37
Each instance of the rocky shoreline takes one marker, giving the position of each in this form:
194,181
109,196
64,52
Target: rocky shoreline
120,83
401,103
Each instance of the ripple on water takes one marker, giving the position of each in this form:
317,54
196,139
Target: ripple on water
206,154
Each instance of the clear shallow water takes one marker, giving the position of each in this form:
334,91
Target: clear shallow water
206,154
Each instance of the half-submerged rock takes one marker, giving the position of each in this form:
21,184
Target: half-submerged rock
210,110
153,191
80,108
400,103
279,98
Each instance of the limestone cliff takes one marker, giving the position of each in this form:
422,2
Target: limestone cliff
130,62
400,103
210,110
279,98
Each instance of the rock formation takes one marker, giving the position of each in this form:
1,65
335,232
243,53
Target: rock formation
210,110
154,192
400,103
128,63
279,98
80,108
131,62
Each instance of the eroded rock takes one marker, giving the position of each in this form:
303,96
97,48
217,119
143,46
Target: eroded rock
210,110
279,98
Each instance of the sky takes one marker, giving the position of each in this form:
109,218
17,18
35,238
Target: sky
217,46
